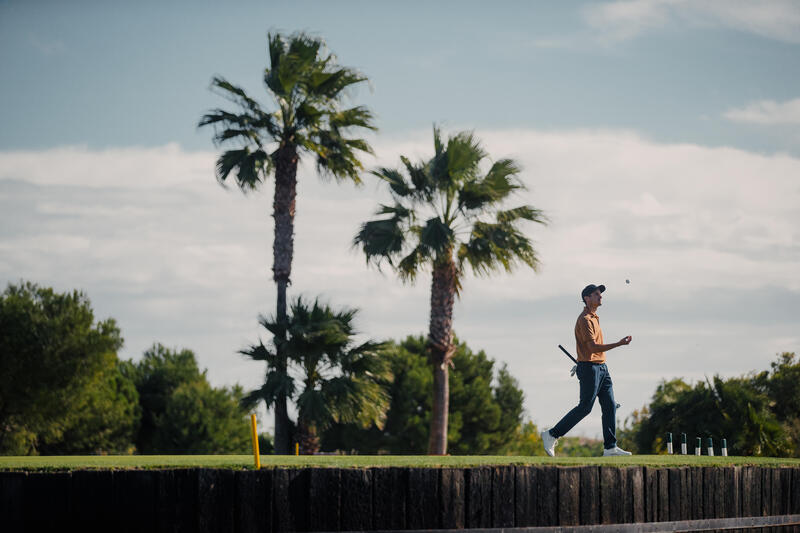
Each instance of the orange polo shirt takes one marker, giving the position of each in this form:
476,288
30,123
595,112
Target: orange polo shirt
587,329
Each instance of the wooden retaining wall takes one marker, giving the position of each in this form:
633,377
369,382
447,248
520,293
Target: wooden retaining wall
331,499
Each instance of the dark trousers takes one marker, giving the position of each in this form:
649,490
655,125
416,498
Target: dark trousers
595,383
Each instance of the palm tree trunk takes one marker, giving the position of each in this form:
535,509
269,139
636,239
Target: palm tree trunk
440,341
283,208
307,437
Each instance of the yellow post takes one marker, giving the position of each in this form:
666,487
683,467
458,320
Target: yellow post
297,448
254,434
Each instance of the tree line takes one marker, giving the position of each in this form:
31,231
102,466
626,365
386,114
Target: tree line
64,389
757,413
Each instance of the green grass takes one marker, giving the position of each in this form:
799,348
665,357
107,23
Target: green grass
362,461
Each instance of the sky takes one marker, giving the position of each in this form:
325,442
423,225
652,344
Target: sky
660,137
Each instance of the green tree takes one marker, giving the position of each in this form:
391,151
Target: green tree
340,379
308,117
181,411
733,409
60,390
446,215
484,416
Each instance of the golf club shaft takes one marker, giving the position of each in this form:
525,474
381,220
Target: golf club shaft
568,354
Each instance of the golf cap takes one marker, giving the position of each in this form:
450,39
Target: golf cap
589,289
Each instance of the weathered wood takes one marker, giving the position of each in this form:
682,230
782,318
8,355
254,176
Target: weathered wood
785,500
589,495
479,497
452,495
186,503
48,501
216,493
751,491
324,492
423,498
696,493
612,492
568,496
289,495
634,511
676,499
12,500
663,495
356,498
766,491
253,506
92,499
794,505
651,494
165,500
389,498
503,496
546,495
524,497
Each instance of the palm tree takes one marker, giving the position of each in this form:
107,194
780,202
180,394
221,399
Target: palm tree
341,380
308,117
446,215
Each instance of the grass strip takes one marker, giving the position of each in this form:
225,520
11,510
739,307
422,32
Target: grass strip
239,462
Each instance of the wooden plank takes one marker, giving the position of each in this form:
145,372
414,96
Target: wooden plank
389,493
766,491
589,495
524,497
546,495
289,498
356,498
165,500
92,500
324,493
663,494
423,498
253,506
635,507
186,503
48,501
216,491
12,500
785,501
696,494
452,496
731,489
503,496
754,491
568,493
609,495
795,499
479,497
675,495
651,494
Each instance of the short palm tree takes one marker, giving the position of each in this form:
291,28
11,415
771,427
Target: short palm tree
340,380
308,117
446,215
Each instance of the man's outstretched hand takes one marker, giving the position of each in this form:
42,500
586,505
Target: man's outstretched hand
625,341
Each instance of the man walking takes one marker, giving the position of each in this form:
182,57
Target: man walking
595,381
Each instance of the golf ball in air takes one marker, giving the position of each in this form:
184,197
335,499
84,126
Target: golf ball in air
628,281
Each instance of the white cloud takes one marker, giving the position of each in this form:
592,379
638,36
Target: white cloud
702,233
767,112
626,19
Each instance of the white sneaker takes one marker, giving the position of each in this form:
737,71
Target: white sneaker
549,442
616,450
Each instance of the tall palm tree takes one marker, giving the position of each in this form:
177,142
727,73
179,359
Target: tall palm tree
308,117
340,380
446,215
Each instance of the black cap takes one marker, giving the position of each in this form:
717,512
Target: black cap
589,289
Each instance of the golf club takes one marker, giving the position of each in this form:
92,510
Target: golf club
574,368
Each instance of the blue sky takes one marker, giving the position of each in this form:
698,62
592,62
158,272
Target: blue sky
661,137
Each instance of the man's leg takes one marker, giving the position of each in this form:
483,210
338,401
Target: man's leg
589,378
605,394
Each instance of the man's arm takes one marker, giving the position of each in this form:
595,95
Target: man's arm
605,347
